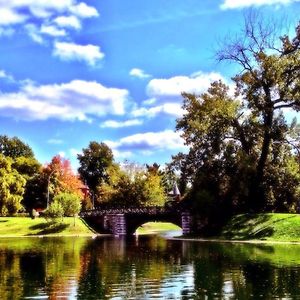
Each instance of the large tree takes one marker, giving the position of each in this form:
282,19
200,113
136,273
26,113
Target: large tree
14,147
241,145
94,161
12,186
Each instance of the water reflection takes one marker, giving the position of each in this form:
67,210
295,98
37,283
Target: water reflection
146,268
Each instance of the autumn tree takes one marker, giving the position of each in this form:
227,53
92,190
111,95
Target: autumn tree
61,178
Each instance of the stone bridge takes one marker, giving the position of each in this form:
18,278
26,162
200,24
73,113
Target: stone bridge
124,221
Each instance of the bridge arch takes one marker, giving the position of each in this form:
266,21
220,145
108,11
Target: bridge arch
126,221
133,223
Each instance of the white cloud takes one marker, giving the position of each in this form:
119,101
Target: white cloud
91,54
52,30
3,74
232,4
76,100
69,22
82,10
173,109
9,16
34,32
135,72
44,14
149,141
165,94
173,87
116,124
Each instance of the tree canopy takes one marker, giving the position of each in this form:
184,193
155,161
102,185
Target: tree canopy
14,147
94,161
244,153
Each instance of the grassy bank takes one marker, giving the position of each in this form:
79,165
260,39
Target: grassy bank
268,227
18,226
156,227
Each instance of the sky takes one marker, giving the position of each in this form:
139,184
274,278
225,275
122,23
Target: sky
113,71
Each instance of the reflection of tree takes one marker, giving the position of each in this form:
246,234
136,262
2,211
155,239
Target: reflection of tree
33,272
90,285
139,268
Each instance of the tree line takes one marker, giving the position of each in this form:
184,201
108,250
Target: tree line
26,185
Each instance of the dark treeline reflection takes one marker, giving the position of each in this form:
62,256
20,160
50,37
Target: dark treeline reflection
146,268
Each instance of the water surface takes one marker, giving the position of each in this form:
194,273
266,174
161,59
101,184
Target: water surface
146,267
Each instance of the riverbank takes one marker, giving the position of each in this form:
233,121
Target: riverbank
24,226
258,228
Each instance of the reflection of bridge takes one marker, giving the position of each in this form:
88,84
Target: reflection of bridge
122,221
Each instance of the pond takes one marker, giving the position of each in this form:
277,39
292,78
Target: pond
146,267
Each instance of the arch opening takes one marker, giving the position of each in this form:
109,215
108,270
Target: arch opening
159,227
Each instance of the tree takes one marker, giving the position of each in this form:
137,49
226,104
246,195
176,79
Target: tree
94,161
71,204
11,187
61,177
14,147
242,150
268,83
132,185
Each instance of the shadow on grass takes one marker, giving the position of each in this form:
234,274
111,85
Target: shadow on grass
247,226
3,221
49,228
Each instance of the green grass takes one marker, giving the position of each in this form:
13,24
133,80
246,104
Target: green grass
155,227
268,227
22,226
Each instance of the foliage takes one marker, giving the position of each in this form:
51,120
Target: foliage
94,161
242,150
27,166
132,186
54,212
11,187
70,203
14,147
61,177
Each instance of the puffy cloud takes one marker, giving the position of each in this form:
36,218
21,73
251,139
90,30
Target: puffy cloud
149,141
34,32
3,74
91,54
9,16
44,14
173,87
82,10
76,100
135,72
232,4
120,124
173,109
165,94
69,21
52,30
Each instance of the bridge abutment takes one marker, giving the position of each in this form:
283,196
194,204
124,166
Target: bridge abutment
186,223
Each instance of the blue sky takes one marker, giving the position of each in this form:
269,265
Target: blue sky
112,71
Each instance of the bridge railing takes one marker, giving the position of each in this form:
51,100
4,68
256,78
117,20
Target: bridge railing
150,210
